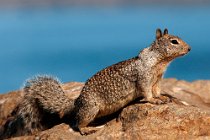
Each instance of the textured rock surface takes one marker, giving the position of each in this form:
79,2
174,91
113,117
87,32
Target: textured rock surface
187,117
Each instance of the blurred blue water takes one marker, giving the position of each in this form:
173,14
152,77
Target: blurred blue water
74,43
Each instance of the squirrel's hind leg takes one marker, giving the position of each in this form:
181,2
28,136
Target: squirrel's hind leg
84,116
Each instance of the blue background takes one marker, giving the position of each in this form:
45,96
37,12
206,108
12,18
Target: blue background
73,43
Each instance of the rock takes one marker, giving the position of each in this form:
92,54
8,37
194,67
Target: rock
196,93
169,121
8,102
186,117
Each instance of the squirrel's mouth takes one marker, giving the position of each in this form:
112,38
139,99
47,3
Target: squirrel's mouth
186,52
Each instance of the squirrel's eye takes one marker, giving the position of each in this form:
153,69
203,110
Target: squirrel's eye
174,42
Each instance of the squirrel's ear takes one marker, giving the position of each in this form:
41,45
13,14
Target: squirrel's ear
165,31
158,33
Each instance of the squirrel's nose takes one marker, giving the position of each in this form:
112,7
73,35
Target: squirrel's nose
189,49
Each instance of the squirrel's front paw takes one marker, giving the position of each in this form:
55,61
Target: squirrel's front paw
154,101
164,99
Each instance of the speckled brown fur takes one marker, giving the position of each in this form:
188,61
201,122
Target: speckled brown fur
114,87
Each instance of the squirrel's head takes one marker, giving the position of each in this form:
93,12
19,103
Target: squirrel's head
169,46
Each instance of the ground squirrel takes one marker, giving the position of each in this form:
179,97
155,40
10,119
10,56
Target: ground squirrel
106,92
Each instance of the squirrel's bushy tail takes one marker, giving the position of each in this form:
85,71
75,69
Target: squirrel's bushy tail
43,105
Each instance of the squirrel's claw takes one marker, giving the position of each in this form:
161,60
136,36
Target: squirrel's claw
158,100
87,130
164,99
155,101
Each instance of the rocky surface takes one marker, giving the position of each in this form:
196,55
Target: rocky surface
186,117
